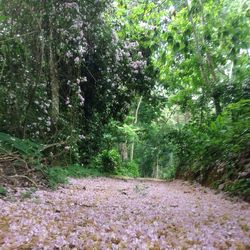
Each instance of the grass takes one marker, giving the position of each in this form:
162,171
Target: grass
3,191
60,175
28,193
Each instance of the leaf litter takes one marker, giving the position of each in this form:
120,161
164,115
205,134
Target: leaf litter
104,213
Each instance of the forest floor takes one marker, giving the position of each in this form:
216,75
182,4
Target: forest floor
105,213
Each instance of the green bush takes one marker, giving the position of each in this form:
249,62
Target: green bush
130,169
133,169
169,173
109,161
56,176
239,187
210,153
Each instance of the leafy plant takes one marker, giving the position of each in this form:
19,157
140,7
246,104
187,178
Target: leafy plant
56,176
210,153
239,187
3,191
169,172
59,175
109,160
23,146
129,168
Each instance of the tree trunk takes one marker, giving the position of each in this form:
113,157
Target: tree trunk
123,151
33,87
135,122
156,168
54,81
187,117
171,159
205,73
211,68
217,105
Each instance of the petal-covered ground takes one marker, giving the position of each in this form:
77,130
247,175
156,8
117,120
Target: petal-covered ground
103,213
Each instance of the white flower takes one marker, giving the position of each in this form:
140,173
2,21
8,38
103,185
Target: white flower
69,54
77,60
81,137
67,101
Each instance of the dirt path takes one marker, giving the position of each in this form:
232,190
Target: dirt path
107,213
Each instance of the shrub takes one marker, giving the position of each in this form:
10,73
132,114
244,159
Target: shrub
239,187
130,169
55,176
212,153
169,172
109,161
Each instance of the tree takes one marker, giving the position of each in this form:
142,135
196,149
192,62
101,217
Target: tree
64,75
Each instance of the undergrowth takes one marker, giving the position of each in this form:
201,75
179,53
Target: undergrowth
3,191
169,173
60,175
217,154
130,169
239,187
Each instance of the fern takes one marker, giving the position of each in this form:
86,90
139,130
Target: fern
24,147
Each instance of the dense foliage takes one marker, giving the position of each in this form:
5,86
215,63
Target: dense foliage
150,88
65,73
